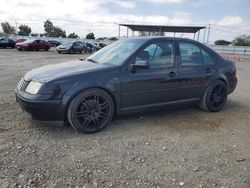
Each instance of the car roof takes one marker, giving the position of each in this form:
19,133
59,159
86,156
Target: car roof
147,38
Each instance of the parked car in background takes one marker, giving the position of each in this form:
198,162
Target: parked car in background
91,47
71,47
33,45
100,44
128,76
19,40
54,43
7,43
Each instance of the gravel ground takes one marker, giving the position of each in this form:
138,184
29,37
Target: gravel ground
180,148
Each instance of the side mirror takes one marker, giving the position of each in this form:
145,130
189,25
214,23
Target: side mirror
139,65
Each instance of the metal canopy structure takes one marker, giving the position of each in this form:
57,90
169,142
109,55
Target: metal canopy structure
162,28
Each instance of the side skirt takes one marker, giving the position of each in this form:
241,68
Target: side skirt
158,106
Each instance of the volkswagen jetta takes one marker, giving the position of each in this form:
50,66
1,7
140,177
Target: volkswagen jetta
128,76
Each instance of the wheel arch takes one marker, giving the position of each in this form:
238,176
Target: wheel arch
220,77
66,106
224,80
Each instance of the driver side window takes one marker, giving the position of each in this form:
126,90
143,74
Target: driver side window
158,55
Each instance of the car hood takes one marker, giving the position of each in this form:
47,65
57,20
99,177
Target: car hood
52,72
22,43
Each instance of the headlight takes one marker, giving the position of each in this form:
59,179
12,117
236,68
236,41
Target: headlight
33,87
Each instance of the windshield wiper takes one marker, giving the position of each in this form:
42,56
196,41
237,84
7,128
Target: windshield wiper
91,60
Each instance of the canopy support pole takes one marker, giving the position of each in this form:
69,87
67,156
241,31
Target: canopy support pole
119,32
198,38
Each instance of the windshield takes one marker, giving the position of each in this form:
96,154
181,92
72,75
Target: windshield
117,52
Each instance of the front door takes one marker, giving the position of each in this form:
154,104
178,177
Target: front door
153,86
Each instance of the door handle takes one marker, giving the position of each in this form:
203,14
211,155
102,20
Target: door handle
172,74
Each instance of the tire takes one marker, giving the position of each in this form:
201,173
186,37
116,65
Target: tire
90,111
215,97
59,52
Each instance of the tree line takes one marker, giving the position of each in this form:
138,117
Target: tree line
54,31
242,40
50,31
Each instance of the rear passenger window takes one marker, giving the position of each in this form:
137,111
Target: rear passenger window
207,58
190,54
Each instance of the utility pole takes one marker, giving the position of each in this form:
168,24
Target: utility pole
208,33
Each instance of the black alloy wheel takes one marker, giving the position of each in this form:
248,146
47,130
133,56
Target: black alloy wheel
215,97
91,110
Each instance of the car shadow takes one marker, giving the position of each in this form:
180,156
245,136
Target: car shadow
175,119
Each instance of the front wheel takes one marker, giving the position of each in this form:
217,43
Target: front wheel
215,97
90,111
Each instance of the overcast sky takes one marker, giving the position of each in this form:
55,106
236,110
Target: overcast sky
228,18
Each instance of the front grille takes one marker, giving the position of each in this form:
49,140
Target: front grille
22,84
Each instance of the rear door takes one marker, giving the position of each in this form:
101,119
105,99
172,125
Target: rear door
43,45
153,86
36,45
196,67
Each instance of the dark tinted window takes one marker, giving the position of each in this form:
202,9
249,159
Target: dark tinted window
207,58
190,54
160,54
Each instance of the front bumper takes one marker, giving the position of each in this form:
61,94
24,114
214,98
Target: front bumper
63,50
47,110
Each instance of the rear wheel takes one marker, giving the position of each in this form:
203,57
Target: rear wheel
215,97
91,111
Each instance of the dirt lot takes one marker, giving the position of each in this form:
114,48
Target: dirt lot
180,148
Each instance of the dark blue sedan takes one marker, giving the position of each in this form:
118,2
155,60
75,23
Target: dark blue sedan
128,76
